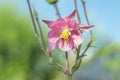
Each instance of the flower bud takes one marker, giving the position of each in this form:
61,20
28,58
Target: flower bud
83,1
52,1
35,13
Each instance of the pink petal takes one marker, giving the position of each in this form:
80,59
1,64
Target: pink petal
65,45
71,24
71,16
49,23
77,37
84,28
74,49
59,23
52,46
53,35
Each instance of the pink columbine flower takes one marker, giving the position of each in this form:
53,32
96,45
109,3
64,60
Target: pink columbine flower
65,33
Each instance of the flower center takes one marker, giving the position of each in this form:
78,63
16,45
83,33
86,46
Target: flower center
65,34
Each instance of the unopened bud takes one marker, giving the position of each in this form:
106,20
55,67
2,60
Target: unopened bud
52,1
83,1
35,13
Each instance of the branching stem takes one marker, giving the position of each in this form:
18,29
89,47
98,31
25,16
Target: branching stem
41,33
33,21
78,59
91,36
54,63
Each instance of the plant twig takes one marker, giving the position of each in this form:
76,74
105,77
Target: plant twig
79,21
76,64
69,77
68,72
41,34
33,21
88,45
40,29
78,59
91,36
57,10
78,15
67,61
56,65
32,17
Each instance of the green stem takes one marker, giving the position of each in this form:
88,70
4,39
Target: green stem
91,36
78,15
57,10
56,65
69,77
68,73
41,34
40,29
78,59
34,25
32,17
67,61
79,21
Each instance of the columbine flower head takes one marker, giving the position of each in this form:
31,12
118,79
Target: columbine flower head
65,33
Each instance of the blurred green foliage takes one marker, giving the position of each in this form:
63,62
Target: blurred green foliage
109,54
21,57
104,65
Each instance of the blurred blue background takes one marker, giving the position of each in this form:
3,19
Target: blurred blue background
21,57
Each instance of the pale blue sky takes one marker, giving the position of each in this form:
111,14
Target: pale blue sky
104,14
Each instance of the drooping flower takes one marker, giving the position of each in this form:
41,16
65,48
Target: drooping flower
65,33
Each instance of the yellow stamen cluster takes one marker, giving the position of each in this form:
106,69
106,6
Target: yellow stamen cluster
65,34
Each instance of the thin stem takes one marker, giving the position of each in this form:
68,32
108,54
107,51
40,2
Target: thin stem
79,21
41,33
91,36
78,51
32,17
68,72
67,61
86,16
88,45
76,65
85,11
78,59
56,65
33,21
40,29
78,16
69,77
57,10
